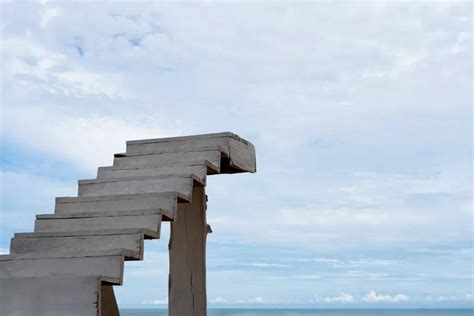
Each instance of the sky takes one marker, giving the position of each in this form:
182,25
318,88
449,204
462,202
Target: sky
360,112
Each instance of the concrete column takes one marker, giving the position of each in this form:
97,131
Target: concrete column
108,304
187,249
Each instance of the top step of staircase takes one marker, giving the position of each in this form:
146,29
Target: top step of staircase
238,155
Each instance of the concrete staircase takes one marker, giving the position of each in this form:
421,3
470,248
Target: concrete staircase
74,257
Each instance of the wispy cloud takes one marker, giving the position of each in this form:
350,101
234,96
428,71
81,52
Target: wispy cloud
266,265
218,300
371,297
460,298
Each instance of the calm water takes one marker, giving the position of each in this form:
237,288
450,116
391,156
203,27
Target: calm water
306,312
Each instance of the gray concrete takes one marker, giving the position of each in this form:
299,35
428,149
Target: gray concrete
144,219
69,264
69,245
166,201
83,264
240,151
187,249
200,171
50,296
170,159
158,184
108,304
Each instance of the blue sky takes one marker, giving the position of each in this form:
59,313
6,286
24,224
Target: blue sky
360,113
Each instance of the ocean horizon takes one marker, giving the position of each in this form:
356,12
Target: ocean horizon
307,311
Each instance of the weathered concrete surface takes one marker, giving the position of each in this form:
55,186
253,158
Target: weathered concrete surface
78,252
166,201
240,153
157,184
68,244
200,171
108,304
107,265
187,250
50,296
144,219
171,159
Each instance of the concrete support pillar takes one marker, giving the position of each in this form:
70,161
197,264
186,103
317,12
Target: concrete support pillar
108,306
187,249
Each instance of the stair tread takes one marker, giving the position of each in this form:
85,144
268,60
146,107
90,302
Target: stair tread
148,233
70,244
99,214
139,178
107,264
147,219
114,197
183,185
211,158
176,151
166,201
111,172
83,254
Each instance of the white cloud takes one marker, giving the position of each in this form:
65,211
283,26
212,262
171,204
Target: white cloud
321,260
266,265
218,300
257,299
350,263
253,300
341,298
368,262
468,297
18,211
304,277
373,297
163,301
86,141
41,70
48,14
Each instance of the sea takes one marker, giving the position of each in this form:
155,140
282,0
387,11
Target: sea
307,312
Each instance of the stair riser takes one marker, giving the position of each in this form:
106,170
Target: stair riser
174,159
167,202
151,222
71,245
178,146
159,185
53,296
114,173
108,266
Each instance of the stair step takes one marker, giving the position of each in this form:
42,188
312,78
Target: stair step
51,296
211,158
69,242
88,221
200,171
239,152
107,264
177,145
148,234
167,202
181,184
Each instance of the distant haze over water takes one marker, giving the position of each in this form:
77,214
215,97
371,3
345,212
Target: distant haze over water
306,312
